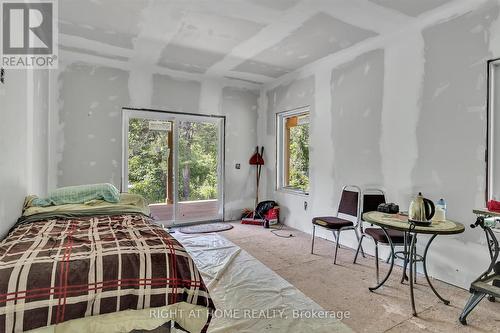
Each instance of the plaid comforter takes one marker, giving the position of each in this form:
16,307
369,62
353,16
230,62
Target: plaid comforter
57,270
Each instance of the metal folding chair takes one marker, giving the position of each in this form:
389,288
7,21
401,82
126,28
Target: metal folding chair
349,206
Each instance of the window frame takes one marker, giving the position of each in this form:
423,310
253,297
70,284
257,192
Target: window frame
281,152
492,66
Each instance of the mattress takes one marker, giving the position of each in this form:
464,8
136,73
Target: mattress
128,204
55,271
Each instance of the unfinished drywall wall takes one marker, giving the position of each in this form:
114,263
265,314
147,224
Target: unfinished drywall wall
90,118
408,115
88,129
358,105
403,80
39,105
13,143
299,93
451,129
23,129
176,95
240,106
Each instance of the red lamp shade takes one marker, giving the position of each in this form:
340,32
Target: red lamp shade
256,159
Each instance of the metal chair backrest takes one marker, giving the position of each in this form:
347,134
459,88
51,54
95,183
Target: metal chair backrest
350,202
371,199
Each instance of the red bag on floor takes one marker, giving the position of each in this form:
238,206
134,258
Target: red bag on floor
494,206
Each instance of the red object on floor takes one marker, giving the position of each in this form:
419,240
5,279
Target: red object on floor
253,221
494,206
272,216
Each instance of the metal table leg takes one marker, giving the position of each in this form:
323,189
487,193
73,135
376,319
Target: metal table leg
415,260
376,262
425,271
392,263
405,263
412,258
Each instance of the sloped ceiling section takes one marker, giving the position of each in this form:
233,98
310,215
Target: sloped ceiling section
411,7
113,22
251,40
203,40
318,37
276,4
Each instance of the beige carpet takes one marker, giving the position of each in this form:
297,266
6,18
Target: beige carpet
344,287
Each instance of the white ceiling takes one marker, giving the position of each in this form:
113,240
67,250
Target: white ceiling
252,40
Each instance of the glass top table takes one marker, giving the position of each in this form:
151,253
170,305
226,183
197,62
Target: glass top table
400,223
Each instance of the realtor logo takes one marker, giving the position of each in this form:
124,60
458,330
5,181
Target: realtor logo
29,33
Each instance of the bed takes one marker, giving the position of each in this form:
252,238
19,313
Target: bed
97,267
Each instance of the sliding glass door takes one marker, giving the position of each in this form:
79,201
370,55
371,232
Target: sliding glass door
176,162
149,161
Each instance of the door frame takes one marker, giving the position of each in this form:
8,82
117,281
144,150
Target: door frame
175,116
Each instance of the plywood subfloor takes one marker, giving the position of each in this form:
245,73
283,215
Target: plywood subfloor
344,287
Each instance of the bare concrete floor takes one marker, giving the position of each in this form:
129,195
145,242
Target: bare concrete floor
344,287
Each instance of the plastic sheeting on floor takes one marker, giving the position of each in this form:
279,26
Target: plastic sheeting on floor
249,296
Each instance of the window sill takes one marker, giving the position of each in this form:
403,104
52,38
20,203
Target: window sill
293,191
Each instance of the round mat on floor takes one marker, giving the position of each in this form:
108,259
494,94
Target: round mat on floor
204,228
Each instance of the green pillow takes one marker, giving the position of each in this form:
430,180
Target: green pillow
79,195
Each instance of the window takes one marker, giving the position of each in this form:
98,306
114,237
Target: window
293,150
493,186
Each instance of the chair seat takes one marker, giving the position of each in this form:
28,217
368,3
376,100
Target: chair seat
332,222
378,235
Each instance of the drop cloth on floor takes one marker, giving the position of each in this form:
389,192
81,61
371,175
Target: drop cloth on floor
249,296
